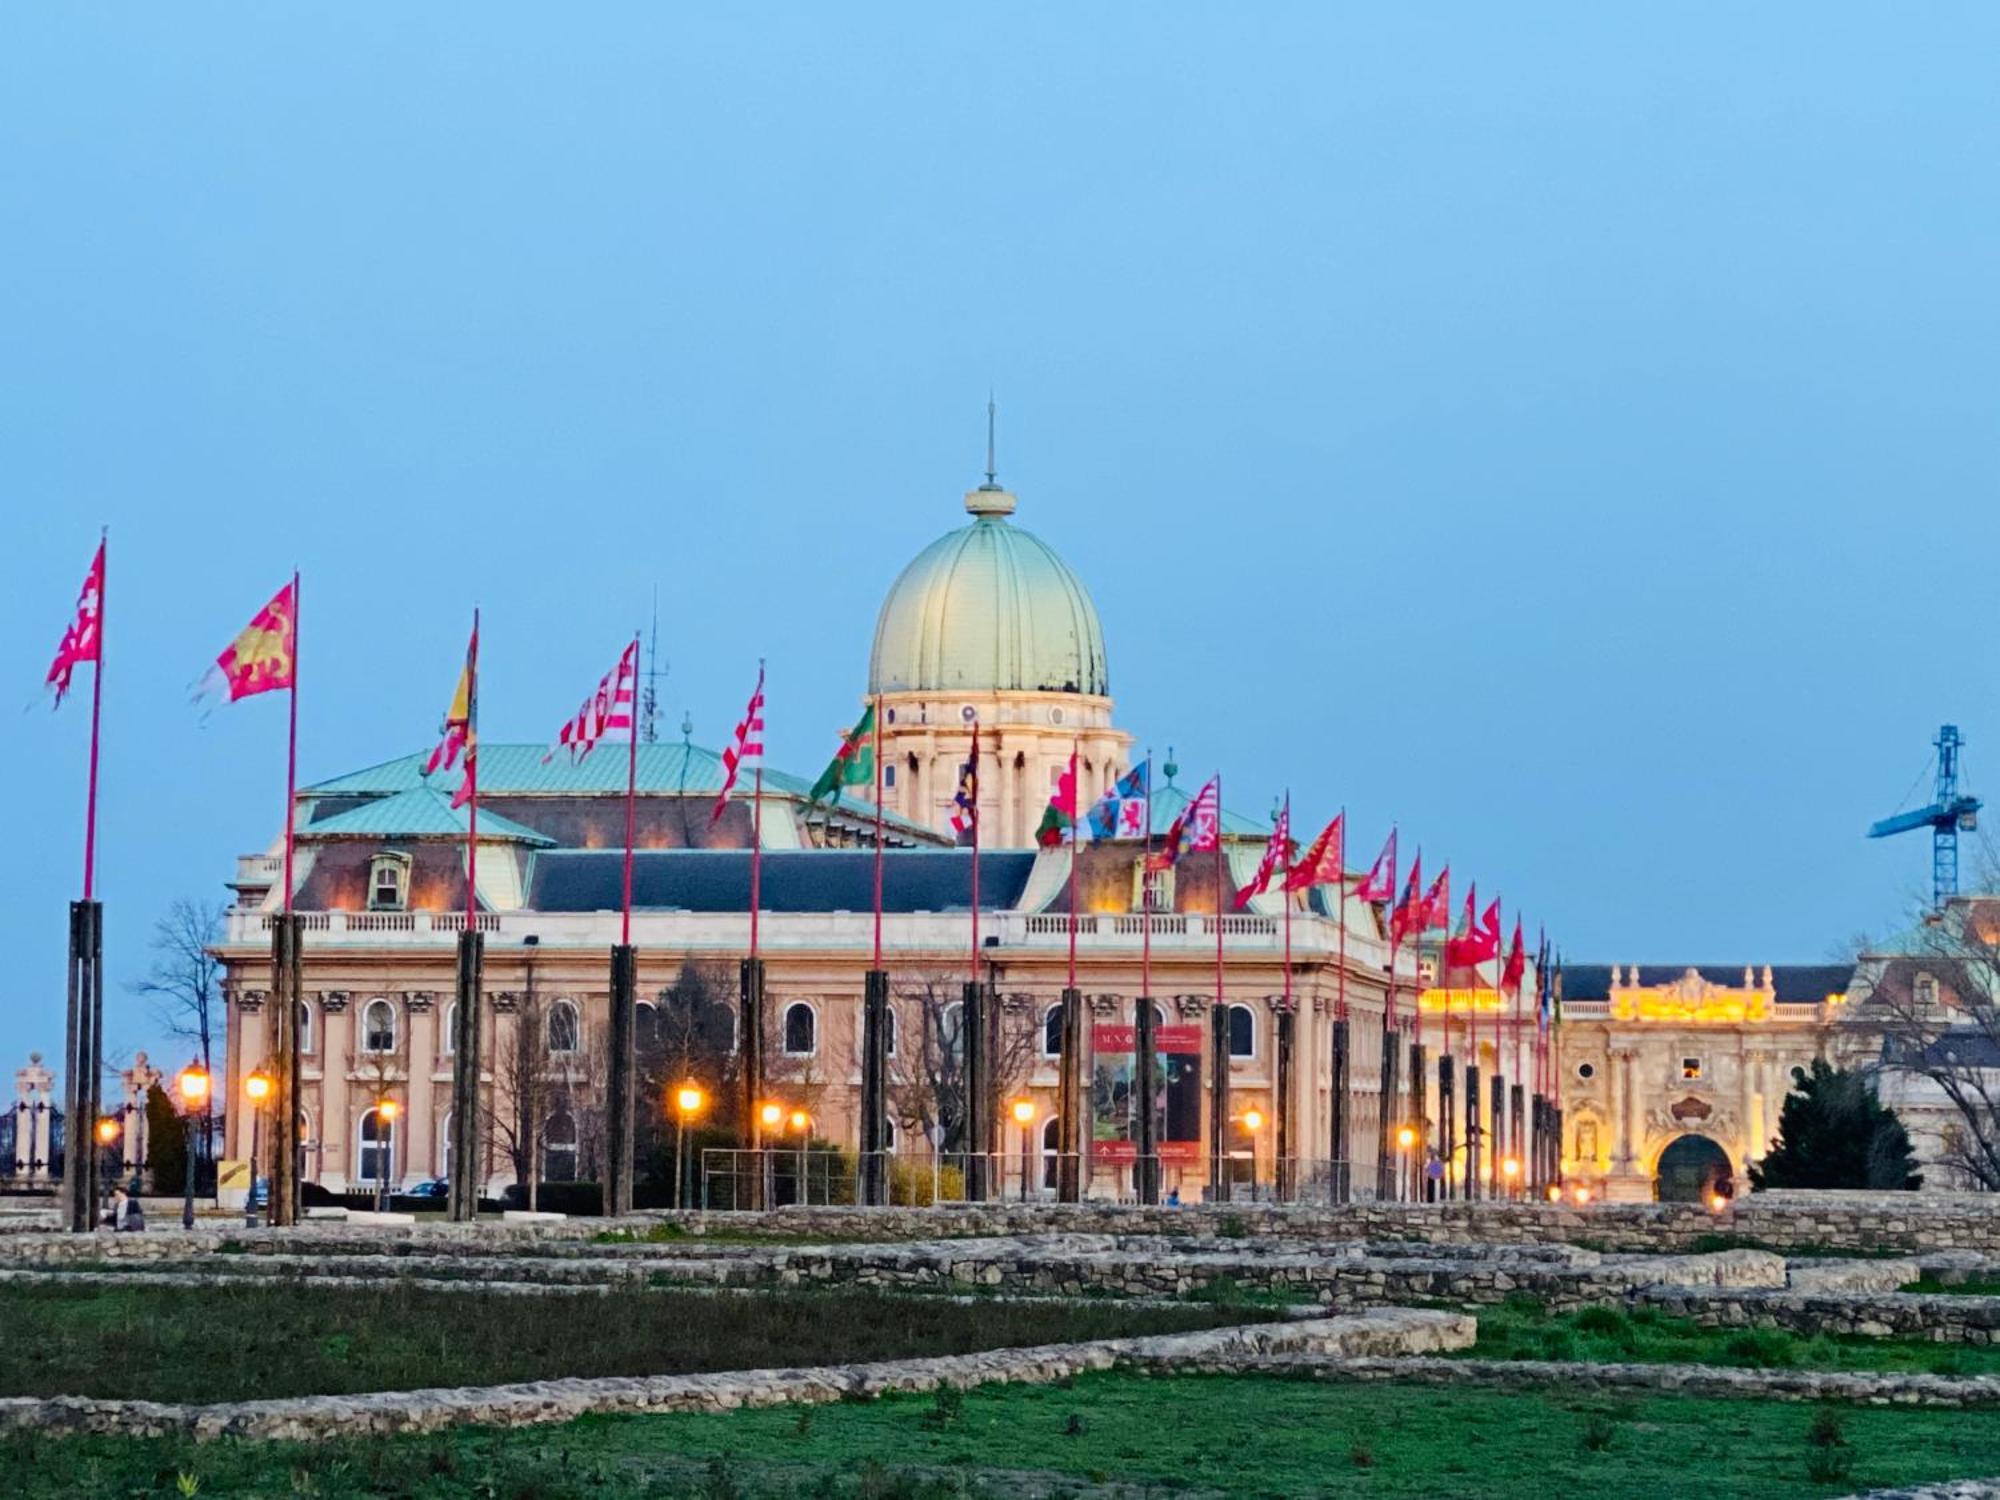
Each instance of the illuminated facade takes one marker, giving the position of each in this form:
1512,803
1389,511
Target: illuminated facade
1672,1076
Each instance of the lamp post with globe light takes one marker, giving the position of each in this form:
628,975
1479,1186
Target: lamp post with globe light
1253,1121
107,1137
1024,1116
772,1118
386,1111
257,1089
802,1123
688,1101
192,1086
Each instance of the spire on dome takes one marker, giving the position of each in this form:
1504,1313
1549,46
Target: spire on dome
989,499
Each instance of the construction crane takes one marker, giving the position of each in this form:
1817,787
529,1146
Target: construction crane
1950,813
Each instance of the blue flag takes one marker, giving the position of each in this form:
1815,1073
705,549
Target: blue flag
1124,811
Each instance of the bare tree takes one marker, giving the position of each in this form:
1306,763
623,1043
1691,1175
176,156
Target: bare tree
520,1099
184,985
927,1071
1934,1003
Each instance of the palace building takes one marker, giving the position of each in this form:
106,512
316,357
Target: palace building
987,624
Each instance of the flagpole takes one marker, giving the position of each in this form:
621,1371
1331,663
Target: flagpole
1285,863
757,825
473,777
96,712
878,832
1340,907
1146,889
1074,799
631,790
1218,904
292,747
972,964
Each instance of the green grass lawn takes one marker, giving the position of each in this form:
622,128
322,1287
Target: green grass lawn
1198,1435
227,1343
1520,1329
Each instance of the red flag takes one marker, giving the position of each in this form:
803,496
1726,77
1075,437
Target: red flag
1379,884
1437,901
1412,912
609,708
261,659
82,640
1322,862
1058,823
748,747
1517,964
1276,855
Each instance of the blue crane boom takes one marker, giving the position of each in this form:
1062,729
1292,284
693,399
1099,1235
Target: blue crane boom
1950,813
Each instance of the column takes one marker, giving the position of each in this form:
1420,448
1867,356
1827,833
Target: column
1621,1152
1004,779
1633,1131
139,1080
419,1155
331,1124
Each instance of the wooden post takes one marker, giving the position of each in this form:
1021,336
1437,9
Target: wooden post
1339,1079
83,1065
467,1055
874,1090
1146,1170
750,1048
1218,1101
282,1203
1072,1101
619,1107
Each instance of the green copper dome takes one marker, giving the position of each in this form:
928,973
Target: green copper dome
988,608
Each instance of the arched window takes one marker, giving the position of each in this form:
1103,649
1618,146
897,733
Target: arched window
444,1145
305,1028
559,1148
389,882
888,1135
448,1039
378,1027
646,1024
1051,1149
951,1030
375,1161
801,1029
1052,1030
1242,1032
564,1028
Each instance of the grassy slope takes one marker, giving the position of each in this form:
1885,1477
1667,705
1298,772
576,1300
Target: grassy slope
218,1344
1208,1435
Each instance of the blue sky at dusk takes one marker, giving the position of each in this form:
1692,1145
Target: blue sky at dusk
1569,432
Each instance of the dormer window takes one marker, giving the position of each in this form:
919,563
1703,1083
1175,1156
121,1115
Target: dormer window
1926,991
389,882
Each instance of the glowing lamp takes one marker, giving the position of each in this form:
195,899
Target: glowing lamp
386,1110
1582,1194
1717,1203
1510,1168
1406,1137
1253,1119
800,1120
192,1084
687,1099
1024,1112
1555,1193
107,1131
257,1087
772,1115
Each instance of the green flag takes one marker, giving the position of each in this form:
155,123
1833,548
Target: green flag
853,764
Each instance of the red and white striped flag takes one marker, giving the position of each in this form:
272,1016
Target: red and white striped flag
1199,826
747,748
609,708
80,642
1277,857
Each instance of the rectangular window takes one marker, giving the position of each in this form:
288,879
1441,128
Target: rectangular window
1690,1069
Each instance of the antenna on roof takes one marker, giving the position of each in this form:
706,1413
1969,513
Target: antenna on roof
649,700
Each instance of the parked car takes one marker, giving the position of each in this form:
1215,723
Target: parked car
433,1187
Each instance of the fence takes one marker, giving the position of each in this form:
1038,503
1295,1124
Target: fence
781,1177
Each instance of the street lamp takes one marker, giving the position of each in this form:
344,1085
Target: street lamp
1253,1121
687,1102
257,1089
772,1118
107,1134
1510,1168
385,1149
192,1086
1024,1116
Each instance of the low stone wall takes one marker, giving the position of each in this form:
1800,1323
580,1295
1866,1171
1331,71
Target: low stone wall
1860,1222
1382,1334
1942,1319
1685,1380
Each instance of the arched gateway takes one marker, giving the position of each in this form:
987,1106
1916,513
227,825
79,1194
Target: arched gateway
1689,1167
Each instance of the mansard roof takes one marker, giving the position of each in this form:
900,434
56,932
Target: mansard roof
1794,984
424,812
794,880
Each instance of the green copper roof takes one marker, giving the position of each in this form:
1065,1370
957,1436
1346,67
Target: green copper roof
988,608
518,771
422,812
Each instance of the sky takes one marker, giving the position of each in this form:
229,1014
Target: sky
1564,432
